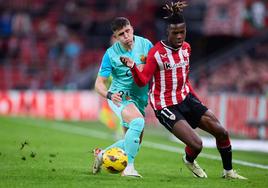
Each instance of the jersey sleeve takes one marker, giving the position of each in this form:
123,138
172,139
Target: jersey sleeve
106,66
192,90
142,78
189,49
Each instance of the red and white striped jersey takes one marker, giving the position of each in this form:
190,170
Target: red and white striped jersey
168,69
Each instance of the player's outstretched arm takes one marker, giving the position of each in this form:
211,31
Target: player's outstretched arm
141,78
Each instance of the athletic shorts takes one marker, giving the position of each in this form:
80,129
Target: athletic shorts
191,110
118,109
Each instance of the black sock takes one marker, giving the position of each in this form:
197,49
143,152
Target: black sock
226,156
191,154
189,158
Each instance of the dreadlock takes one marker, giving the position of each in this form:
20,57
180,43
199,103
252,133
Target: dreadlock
174,11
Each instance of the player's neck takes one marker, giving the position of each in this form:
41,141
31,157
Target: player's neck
128,47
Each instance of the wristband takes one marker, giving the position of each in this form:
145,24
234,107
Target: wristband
109,95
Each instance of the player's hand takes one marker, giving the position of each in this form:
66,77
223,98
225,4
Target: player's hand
117,98
127,62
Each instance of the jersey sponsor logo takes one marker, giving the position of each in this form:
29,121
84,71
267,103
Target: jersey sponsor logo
169,66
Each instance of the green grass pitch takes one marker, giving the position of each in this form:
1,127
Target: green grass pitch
44,153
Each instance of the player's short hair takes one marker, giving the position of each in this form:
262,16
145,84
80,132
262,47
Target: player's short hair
118,23
174,12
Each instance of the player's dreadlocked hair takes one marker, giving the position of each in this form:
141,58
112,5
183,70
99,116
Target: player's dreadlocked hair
119,23
174,11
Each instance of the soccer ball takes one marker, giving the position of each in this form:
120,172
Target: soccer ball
114,160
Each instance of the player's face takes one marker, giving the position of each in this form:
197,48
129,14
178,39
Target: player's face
125,35
176,34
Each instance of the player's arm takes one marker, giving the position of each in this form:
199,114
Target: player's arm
101,88
102,81
191,89
141,78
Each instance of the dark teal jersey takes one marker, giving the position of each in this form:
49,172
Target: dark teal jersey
122,80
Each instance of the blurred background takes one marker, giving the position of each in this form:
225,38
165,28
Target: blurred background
50,52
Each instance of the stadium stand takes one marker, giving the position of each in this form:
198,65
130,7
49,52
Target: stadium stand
48,44
242,69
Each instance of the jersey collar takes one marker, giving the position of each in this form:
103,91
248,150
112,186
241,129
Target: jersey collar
175,49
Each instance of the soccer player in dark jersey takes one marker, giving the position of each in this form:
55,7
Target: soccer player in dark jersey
125,98
175,103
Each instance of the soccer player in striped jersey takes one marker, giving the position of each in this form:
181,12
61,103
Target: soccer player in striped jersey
175,103
126,99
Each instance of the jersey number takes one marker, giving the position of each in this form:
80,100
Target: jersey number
123,93
166,112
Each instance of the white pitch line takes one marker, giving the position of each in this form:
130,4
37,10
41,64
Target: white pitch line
97,134
204,155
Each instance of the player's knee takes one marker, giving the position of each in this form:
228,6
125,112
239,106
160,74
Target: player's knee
137,124
219,132
222,134
197,145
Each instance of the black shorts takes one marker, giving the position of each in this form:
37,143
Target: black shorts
191,110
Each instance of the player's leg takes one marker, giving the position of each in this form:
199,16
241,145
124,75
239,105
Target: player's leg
135,120
118,110
183,131
210,123
97,152
174,121
121,143
127,113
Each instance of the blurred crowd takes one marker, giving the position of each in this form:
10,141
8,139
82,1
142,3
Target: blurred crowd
47,44
244,74
52,44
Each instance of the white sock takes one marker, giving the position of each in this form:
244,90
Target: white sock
130,166
227,171
100,154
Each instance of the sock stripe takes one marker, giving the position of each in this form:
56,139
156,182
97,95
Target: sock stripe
223,143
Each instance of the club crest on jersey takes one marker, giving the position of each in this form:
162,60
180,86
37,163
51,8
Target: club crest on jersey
143,58
185,53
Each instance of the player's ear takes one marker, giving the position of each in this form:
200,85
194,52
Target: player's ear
114,36
113,39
